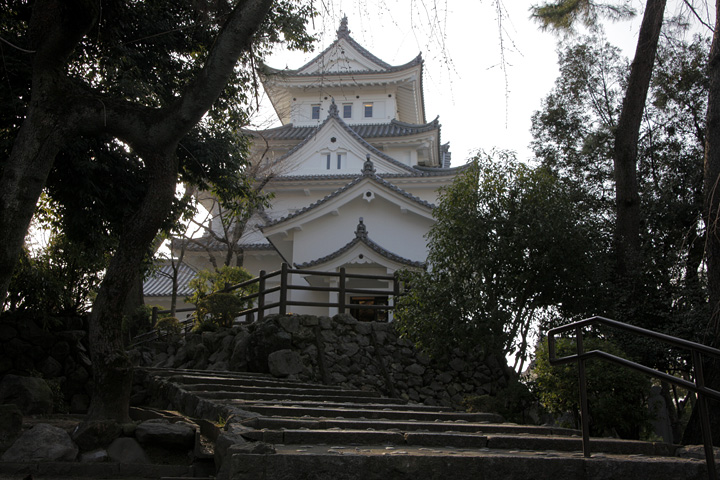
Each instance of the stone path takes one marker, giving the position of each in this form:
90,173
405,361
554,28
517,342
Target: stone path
322,432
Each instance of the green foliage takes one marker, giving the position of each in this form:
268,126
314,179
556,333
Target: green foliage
139,322
563,15
168,326
509,243
513,402
573,137
57,281
617,396
145,54
215,305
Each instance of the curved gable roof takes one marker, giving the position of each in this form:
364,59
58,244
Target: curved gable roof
333,115
367,173
361,237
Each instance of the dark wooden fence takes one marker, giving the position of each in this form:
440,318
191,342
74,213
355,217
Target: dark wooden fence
260,299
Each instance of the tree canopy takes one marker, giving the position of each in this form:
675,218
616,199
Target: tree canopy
138,95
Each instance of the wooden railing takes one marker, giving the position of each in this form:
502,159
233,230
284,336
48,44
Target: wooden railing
262,305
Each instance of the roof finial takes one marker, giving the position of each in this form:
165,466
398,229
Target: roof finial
368,167
333,110
361,230
343,31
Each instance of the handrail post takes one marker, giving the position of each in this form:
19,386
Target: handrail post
283,288
704,416
261,295
584,417
341,292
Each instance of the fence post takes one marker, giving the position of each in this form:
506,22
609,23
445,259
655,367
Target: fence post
341,291
582,379
283,288
261,295
154,316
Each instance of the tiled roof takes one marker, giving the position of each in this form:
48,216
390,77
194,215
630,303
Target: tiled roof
366,173
344,33
361,236
395,128
333,114
160,283
206,243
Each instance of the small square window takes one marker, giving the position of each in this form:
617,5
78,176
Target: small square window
347,110
368,109
316,112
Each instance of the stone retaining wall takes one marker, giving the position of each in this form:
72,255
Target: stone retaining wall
59,355
336,351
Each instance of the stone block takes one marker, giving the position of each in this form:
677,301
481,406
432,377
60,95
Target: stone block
162,432
285,362
30,394
42,443
127,450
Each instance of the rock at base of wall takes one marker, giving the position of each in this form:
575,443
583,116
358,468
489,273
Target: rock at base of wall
31,395
42,443
285,362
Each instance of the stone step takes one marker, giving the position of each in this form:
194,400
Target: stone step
299,397
277,390
250,382
378,404
381,462
292,423
406,413
456,440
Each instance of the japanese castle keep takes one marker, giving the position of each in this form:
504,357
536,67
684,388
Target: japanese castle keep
354,171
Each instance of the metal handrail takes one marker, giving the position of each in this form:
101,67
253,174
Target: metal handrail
698,386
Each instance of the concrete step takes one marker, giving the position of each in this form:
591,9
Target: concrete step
292,423
381,462
405,412
279,390
299,396
378,404
456,440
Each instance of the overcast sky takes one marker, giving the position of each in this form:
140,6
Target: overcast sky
481,104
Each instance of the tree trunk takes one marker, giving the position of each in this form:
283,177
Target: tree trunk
627,199
111,367
692,433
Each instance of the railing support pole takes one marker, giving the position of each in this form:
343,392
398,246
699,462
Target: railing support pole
582,379
261,295
704,416
283,288
341,292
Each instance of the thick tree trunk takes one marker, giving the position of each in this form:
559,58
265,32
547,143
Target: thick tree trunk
111,366
627,198
23,178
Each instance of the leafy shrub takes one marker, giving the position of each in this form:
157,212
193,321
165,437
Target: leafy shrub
514,402
168,326
215,305
617,396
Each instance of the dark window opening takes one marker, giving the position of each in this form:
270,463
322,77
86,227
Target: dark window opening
316,112
369,314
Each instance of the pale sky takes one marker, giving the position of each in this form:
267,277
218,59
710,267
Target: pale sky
481,104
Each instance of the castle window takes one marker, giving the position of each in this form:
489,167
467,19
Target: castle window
347,110
339,160
368,109
316,111
327,158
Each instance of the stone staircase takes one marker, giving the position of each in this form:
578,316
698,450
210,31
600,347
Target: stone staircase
310,431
